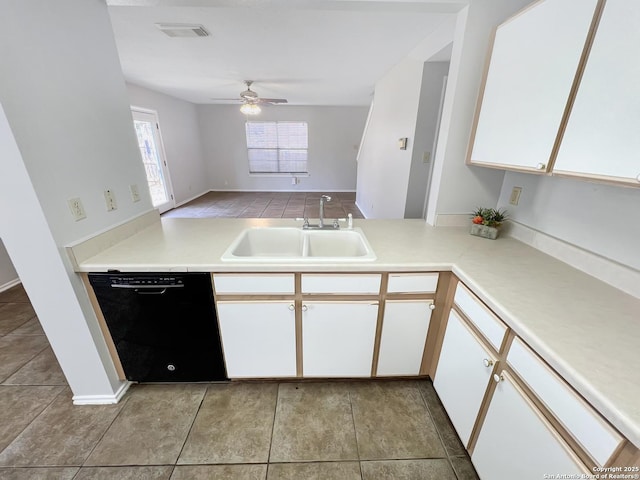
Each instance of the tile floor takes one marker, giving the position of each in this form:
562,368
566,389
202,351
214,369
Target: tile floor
298,431
268,205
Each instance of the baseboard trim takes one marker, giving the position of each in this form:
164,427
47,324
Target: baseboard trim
102,399
190,199
609,271
360,208
10,284
295,190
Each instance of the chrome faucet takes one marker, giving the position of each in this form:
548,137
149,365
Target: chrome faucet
323,198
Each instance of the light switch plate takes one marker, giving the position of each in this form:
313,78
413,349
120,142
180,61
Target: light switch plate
515,195
135,193
77,210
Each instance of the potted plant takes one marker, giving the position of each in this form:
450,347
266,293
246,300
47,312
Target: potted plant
487,221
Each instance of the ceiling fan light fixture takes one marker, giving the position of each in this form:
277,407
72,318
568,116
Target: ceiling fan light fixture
250,109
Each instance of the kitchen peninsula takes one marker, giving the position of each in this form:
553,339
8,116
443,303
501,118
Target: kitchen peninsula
583,329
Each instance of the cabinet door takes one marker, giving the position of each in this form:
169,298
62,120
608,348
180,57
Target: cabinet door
404,332
258,338
515,441
601,137
533,64
337,338
463,374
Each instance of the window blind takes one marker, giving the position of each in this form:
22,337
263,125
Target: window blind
277,147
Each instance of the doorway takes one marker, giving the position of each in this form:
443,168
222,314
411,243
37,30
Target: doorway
434,147
147,129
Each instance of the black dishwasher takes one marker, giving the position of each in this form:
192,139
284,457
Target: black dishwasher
163,325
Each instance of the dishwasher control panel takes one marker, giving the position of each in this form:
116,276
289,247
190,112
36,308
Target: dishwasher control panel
153,281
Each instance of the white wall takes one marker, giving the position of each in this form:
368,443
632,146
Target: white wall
67,134
62,90
600,218
8,275
457,188
181,138
430,93
383,169
334,135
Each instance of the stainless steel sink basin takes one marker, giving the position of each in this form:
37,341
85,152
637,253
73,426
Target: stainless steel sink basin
286,244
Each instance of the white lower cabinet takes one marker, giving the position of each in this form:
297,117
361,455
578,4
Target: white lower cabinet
515,441
258,338
338,338
462,376
404,333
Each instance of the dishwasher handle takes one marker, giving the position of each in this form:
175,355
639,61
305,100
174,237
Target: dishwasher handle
146,287
159,289
150,292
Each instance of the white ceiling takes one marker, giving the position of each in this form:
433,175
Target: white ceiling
312,52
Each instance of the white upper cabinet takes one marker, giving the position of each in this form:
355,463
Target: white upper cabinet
601,138
532,68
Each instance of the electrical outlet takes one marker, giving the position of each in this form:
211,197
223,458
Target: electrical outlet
135,194
515,195
110,200
426,157
77,210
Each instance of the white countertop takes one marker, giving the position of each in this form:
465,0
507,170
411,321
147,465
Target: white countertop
585,329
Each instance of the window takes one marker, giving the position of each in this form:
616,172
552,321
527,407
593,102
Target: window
277,147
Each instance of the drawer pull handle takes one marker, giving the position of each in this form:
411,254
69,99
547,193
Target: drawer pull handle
497,378
292,307
304,308
432,306
487,362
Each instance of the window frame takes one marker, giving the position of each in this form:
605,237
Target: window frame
278,150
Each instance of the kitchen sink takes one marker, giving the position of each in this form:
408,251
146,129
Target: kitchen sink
341,243
267,243
286,244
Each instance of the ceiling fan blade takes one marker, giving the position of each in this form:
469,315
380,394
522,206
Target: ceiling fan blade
272,100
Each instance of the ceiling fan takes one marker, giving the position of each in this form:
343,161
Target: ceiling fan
251,101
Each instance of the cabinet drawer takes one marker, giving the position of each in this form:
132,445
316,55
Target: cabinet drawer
341,284
412,283
597,437
488,324
254,284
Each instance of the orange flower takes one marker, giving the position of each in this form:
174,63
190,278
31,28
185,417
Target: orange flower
478,220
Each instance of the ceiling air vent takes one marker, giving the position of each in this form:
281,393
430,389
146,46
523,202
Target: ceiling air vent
182,30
